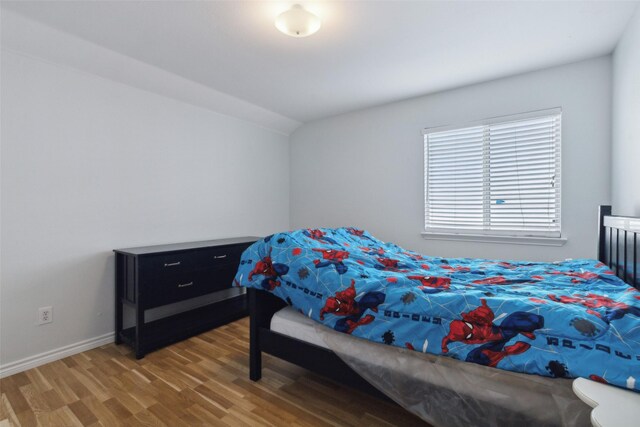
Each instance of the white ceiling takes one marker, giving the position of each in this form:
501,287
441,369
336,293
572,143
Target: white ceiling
366,53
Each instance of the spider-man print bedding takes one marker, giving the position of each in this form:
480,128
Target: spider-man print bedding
573,318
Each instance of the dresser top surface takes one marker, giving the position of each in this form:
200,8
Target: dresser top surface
146,250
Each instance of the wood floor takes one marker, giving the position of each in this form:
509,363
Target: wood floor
202,381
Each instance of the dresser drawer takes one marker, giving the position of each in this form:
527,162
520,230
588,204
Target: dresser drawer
166,265
177,287
175,277
205,259
158,266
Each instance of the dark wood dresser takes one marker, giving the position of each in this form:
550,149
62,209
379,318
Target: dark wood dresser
167,293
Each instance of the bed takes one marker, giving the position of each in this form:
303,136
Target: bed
291,336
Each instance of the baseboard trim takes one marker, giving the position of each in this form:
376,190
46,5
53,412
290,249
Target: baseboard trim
55,354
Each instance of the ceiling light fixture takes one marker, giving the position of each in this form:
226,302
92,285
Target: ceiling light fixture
297,22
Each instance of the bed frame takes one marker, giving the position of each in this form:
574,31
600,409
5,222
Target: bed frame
617,247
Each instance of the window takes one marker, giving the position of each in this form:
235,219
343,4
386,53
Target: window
500,177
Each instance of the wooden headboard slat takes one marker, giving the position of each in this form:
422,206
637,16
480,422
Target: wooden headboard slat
626,230
624,268
635,256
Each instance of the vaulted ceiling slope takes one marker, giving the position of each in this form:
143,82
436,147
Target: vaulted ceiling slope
366,53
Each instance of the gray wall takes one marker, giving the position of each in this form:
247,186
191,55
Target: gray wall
626,121
365,168
89,165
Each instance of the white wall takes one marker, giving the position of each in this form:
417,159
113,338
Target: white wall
626,121
89,165
365,168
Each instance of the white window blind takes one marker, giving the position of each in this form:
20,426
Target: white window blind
499,177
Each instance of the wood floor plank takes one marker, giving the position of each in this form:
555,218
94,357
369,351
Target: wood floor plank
76,386
18,379
53,399
209,405
202,381
166,415
38,380
101,412
27,418
322,403
34,399
147,419
117,408
8,414
252,418
127,400
14,396
95,388
61,417
141,395
82,413
206,415
64,391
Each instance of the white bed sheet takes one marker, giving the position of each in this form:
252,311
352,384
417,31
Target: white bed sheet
294,324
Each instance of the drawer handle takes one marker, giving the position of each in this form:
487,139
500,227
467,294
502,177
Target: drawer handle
219,256
184,285
171,264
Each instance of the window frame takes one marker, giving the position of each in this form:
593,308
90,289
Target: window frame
488,235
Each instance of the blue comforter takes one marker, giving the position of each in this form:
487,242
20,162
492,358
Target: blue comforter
565,319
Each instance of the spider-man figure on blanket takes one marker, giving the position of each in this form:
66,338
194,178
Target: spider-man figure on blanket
477,327
344,304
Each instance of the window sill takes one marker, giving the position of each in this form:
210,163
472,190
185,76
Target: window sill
538,241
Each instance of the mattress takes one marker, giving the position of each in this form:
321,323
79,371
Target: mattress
294,324
436,382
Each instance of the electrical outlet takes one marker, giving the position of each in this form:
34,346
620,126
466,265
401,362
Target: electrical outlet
45,315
